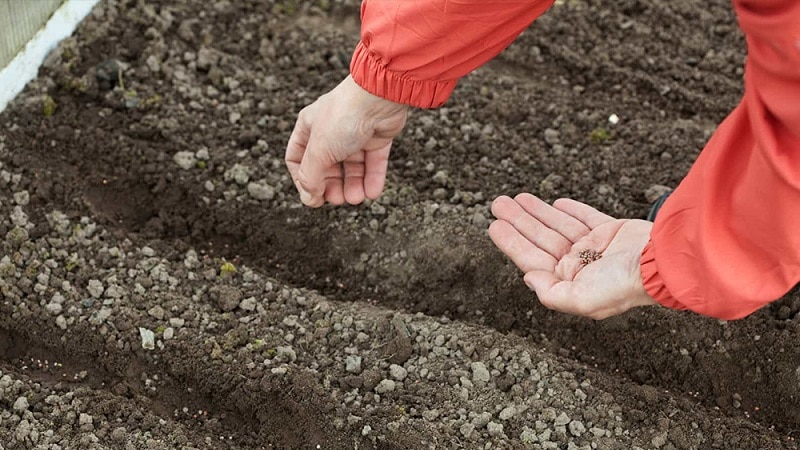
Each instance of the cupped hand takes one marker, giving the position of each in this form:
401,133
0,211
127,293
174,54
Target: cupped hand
339,149
550,243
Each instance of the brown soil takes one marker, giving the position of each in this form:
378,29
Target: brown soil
230,77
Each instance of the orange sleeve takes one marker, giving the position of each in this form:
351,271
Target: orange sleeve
414,51
727,241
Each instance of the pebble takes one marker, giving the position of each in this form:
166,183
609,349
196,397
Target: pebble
185,160
248,304
430,415
23,430
659,440
285,353
148,338
508,412
562,420
551,136
495,429
482,419
576,428
21,404
398,372
480,373
441,178
206,58
261,191
177,322
95,288
385,386
227,297
156,312
54,308
352,364
528,436
119,434
467,429
22,198
238,173
169,333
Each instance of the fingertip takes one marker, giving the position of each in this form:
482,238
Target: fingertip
499,203
334,192
540,281
354,195
562,203
525,196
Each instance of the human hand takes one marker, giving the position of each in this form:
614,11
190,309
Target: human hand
546,242
339,149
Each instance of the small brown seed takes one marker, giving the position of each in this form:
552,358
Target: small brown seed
589,256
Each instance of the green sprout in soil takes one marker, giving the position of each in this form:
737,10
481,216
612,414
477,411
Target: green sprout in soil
202,165
153,100
49,106
227,268
71,265
272,352
160,329
131,98
599,135
258,344
75,84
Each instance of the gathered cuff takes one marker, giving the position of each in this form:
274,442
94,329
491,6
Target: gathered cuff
652,281
372,75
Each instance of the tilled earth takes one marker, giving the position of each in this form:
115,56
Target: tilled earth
163,288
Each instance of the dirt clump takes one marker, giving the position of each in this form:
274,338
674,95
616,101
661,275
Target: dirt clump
162,287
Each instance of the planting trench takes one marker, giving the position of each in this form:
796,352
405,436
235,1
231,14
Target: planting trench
222,82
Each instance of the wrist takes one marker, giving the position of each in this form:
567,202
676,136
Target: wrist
371,105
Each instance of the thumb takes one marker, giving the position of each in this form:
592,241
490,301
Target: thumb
545,284
317,165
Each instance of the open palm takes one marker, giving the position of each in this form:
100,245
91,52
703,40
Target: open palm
546,242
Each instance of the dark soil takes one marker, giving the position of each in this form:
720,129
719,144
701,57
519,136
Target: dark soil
230,77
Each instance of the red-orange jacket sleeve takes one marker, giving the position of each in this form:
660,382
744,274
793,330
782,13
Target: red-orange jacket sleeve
727,241
414,51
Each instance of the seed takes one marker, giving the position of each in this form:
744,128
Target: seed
589,256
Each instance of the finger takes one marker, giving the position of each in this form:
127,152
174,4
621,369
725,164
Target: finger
557,294
296,147
296,155
334,190
591,217
375,164
354,179
522,252
542,236
563,223
542,282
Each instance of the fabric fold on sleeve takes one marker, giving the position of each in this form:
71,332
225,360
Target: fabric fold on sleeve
652,281
368,72
415,51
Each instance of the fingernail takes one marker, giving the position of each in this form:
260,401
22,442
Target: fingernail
305,197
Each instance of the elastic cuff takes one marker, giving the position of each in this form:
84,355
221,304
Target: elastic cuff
652,281
373,76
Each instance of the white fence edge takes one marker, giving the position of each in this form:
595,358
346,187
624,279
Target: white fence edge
25,66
